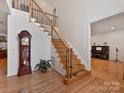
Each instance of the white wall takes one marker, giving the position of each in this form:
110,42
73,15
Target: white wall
40,42
56,64
75,17
114,39
3,23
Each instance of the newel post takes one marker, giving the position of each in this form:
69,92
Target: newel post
69,63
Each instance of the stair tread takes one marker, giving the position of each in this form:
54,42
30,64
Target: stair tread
77,68
82,72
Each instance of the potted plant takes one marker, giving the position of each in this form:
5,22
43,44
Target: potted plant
43,65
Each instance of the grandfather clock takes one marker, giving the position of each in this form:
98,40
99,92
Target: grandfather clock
24,53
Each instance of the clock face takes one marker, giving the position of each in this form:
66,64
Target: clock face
25,41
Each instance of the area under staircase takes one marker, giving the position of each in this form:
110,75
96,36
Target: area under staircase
49,23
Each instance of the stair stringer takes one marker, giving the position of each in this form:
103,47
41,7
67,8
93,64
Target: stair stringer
56,64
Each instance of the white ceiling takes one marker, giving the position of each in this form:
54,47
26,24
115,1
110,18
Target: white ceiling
113,23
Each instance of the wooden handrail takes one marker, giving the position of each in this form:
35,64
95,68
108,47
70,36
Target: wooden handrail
61,37
51,24
51,14
42,11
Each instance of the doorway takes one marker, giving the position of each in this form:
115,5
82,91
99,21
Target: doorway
107,48
3,44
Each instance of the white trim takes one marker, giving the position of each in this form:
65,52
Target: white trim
89,47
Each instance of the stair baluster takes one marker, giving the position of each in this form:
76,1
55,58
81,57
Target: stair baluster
21,5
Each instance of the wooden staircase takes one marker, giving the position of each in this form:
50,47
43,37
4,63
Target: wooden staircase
61,50
48,23
78,69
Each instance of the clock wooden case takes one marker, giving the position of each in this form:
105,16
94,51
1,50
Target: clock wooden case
24,53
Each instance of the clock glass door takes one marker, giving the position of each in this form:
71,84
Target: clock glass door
25,56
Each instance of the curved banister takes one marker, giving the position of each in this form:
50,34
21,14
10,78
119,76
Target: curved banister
61,37
51,24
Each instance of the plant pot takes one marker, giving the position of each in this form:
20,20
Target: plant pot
43,70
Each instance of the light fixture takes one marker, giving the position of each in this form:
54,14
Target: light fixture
112,28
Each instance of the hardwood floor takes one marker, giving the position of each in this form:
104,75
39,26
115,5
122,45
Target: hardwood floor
101,80
108,70
3,67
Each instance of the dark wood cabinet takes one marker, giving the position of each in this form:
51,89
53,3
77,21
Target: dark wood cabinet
101,52
24,53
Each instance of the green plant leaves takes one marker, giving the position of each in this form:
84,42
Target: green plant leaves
43,65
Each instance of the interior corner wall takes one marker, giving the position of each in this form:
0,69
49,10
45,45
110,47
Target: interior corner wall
75,17
40,42
114,40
